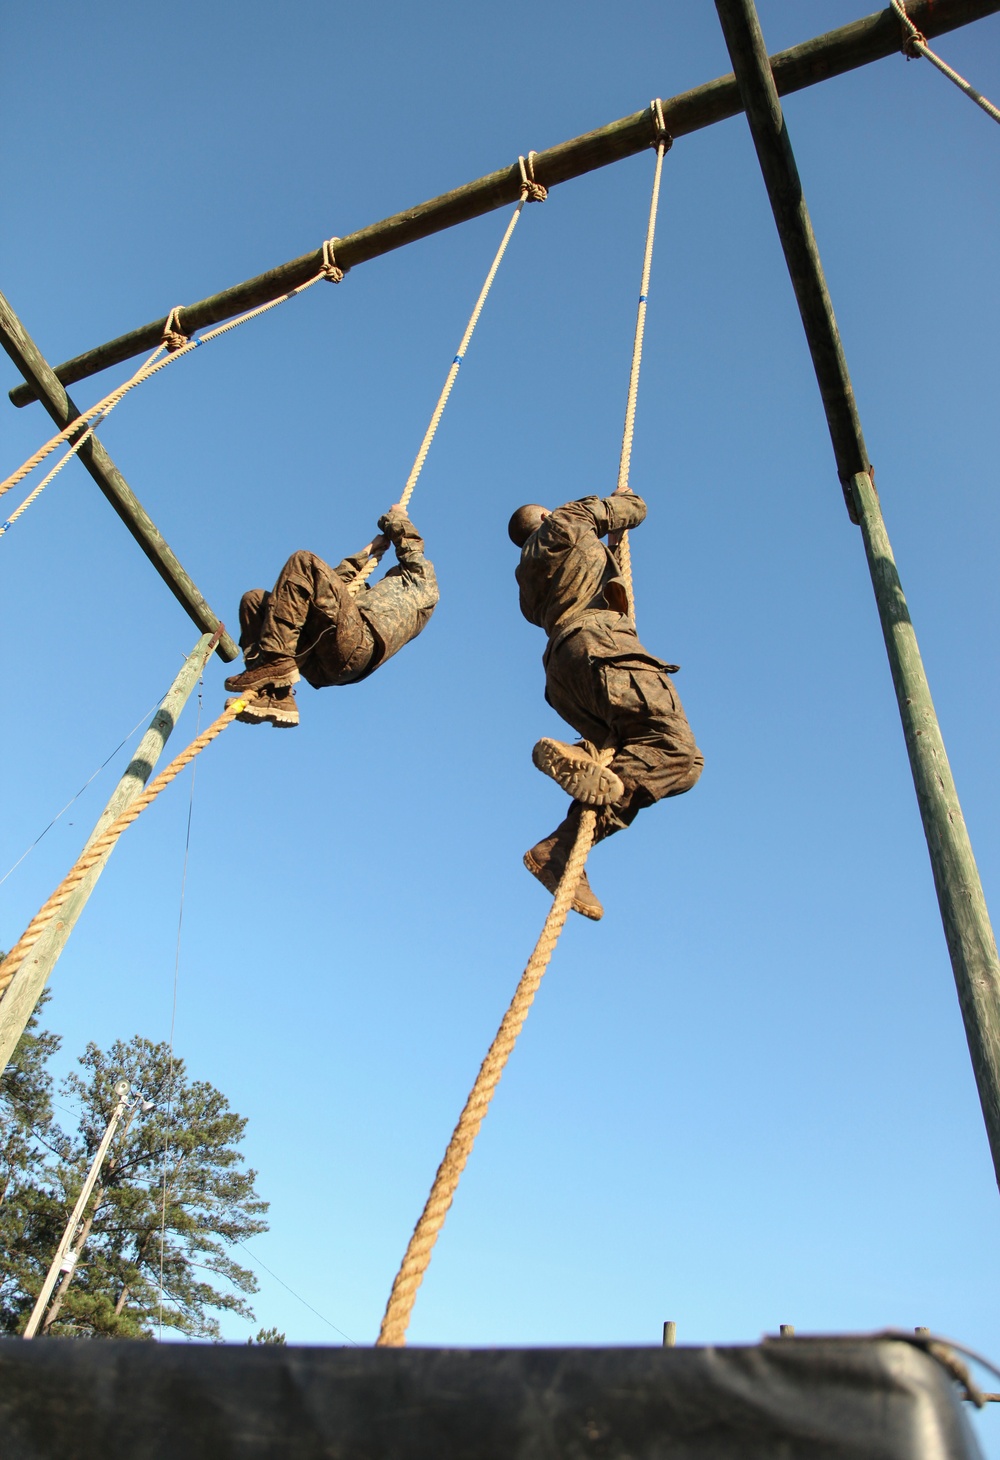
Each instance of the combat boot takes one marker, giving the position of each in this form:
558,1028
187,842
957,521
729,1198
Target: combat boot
272,707
579,773
269,671
547,861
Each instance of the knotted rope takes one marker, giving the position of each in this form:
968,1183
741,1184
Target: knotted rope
93,853
173,345
531,192
663,142
417,1257
915,44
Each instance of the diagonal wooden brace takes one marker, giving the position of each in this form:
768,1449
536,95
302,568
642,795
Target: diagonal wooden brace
42,378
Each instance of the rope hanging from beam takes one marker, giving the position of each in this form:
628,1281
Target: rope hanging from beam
915,44
417,1257
531,192
173,346
93,853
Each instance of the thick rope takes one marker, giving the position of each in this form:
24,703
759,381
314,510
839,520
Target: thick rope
173,346
915,44
92,854
530,192
418,1254
621,544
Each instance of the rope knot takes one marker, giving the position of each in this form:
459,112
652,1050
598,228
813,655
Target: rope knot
912,37
531,191
331,270
173,337
661,137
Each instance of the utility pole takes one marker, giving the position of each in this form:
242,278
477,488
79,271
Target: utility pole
63,1253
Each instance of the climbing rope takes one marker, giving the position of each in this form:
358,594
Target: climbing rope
418,1254
32,496
417,1257
173,346
620,543
531,192
915,44
93,853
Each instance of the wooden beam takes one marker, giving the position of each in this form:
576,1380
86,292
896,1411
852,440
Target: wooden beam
831,54
29,360
964,914
18,1000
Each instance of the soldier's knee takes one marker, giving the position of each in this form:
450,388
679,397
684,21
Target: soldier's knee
300,562
695,766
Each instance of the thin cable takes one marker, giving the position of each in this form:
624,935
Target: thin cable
79,793
173,1014
254,1258
915,44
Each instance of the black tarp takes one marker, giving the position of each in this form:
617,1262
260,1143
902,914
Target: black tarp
826,1399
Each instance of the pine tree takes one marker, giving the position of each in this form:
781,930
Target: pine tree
29,1139
171,1199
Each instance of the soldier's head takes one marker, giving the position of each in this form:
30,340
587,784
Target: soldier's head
525,521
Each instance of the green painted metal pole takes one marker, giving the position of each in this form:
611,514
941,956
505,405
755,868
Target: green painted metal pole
832,54
964,914
18,1000
39,373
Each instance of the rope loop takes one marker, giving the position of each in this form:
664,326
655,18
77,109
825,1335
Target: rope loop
661,137
531,191
331,270
173,337
912,37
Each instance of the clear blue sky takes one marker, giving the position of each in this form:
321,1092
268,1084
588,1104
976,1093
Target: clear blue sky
744,1098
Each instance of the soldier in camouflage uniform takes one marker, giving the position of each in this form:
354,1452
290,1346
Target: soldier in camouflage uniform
311,624
598,677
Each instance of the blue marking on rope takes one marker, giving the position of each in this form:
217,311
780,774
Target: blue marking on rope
643,298
457,360
5,527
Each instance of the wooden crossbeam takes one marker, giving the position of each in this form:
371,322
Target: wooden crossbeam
831,54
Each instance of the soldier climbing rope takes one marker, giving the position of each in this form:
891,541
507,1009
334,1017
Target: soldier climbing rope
417,1257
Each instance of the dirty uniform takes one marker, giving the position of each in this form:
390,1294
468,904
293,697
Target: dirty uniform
598,676
334,637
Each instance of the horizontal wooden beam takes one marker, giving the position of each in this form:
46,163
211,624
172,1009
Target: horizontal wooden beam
831,54
35,368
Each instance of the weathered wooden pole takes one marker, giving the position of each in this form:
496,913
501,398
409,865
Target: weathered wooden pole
18,1000
967,928
29,360
831,54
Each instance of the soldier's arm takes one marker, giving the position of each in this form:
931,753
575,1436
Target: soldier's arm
349,568
618,513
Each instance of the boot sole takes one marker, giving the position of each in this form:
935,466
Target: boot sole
585,910
585,780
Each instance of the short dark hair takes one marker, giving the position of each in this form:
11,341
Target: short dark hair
524,522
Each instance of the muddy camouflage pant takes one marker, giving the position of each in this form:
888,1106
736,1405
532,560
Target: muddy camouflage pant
606,685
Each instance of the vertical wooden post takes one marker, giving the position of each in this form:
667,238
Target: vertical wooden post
786,1330
18,1000
967,928
669,1333
39,374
